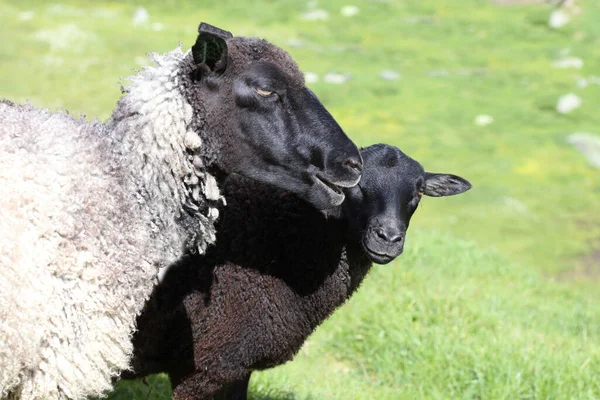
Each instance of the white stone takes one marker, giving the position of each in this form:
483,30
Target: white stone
588,144
140,16
439,72
558,19
335,78
569,62
582,83
311,77
515,204
483,120
315,15
389,75
26,16
157,26
568,103
295,43
349,11
590,80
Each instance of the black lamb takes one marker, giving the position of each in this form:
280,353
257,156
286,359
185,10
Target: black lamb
279,269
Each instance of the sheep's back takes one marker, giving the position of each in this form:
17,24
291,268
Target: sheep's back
64,247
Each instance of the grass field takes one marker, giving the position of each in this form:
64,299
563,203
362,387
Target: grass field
497,295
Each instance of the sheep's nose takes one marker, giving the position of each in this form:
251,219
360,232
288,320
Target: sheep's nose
390,236
354,165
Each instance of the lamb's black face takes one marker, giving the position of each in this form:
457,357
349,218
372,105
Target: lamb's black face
379,209
278,130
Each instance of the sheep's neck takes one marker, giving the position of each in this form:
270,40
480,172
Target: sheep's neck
152,125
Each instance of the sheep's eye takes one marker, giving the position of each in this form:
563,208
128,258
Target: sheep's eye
264,93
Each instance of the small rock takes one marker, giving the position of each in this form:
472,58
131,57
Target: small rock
590,80
295,43
141,16
315,15
335,78
157,26
349,11
568,103
558,19
483,120
438,72
569,62
26,16
588,144
311,77
420,19
389,75
515,204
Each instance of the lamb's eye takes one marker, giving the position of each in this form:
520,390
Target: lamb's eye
263,92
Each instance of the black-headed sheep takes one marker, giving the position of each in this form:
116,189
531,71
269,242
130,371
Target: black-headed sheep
279,268
90,211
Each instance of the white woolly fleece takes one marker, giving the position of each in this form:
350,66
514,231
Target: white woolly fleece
88,213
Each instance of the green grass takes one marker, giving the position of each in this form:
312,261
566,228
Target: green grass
474,309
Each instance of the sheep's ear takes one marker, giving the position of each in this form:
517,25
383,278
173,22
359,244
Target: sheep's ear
211,45
437,185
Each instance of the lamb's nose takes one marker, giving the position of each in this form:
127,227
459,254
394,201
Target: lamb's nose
354,164
389,236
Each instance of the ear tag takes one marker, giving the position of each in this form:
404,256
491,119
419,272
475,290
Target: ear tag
214,31
210,45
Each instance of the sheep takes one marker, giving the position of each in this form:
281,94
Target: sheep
252,300
91,211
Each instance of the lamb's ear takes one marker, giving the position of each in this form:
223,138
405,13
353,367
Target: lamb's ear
211,46
437,185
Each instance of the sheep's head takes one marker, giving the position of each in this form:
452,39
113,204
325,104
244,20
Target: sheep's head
265,123
380,207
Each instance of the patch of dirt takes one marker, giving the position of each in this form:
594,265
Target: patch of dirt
587,268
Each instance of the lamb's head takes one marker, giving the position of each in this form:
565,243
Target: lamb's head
380,207
268,125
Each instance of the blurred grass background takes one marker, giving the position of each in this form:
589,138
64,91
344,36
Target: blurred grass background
496,296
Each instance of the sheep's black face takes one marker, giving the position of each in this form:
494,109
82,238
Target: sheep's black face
278,130
290,139
379,209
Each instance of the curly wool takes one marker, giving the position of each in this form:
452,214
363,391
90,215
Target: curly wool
88,213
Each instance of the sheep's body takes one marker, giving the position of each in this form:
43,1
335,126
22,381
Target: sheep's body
88,213
211,321
279,268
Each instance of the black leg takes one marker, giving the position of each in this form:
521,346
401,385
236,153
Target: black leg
236,390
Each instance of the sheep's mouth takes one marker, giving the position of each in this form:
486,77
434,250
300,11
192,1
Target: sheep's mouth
334,193
377,256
